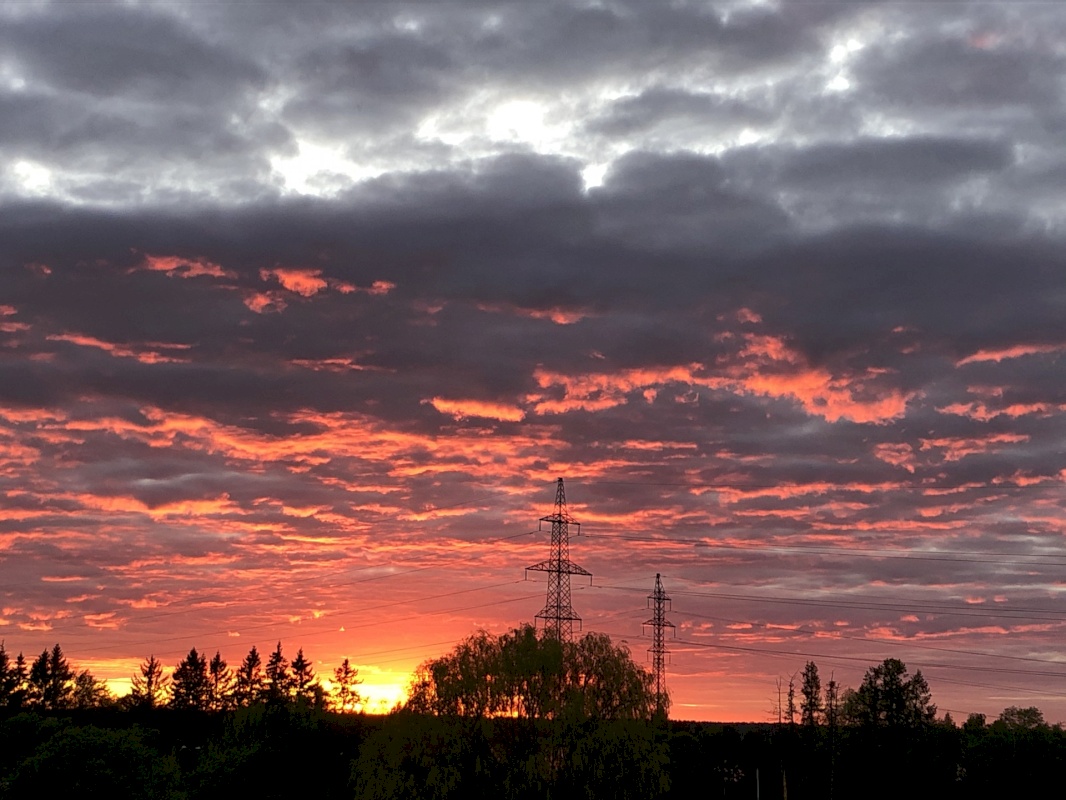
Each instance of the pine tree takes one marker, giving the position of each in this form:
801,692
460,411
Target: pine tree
278,679
811,693
149,687
791,711
51,680
303,678
8,678
249,685
189,686
832,703
21,679
345,695
221,681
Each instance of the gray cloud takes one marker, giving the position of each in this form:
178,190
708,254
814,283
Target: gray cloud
770,278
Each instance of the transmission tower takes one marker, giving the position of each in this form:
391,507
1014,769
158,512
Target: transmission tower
659,602
558,615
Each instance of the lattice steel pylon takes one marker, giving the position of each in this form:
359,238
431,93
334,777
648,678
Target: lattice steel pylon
659,602
558,615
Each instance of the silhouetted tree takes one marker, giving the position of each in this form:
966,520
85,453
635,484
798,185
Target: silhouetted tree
524,675
51,680
148,687
345,680
189,687
221,681
811,695
889,697
12,679
791,708
249,682
278,679
303,678
1017,718
90,692
521,715
831,706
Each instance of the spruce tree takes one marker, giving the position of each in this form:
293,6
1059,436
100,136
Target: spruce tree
345,680
221,681
51,680
278,679
8,678
148,687
21,678
303,678
811,694
189,688
249,684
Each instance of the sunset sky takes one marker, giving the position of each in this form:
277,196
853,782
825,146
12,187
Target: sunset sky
304,307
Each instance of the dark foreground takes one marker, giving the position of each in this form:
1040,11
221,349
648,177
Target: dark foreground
289,751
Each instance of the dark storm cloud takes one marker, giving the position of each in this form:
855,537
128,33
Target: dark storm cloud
105,91
993,70
109,52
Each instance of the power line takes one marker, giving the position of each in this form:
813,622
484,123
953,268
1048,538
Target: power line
1052,482
864,552
318,632
913,606
893,642
838,657
318,578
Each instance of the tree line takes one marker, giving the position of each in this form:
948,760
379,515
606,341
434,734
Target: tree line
51,683
509,717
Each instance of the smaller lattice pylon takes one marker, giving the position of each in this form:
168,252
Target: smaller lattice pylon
558,615
659,602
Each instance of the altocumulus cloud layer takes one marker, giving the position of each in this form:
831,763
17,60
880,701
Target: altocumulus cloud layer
303,308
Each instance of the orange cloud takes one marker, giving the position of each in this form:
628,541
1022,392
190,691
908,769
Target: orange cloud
1017,351
956,448
185,267
560,316
143,353
304,282
263,302
460,409
898,455
764,365
981,412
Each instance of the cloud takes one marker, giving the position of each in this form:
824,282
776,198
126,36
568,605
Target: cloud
303,311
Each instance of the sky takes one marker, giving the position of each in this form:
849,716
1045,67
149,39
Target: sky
304,308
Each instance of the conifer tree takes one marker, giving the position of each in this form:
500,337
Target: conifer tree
832,703
8,677
345,680
303,678
811,695
221,681
791,709
51,680
149,686
21,679
189,686
278,679
249,683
